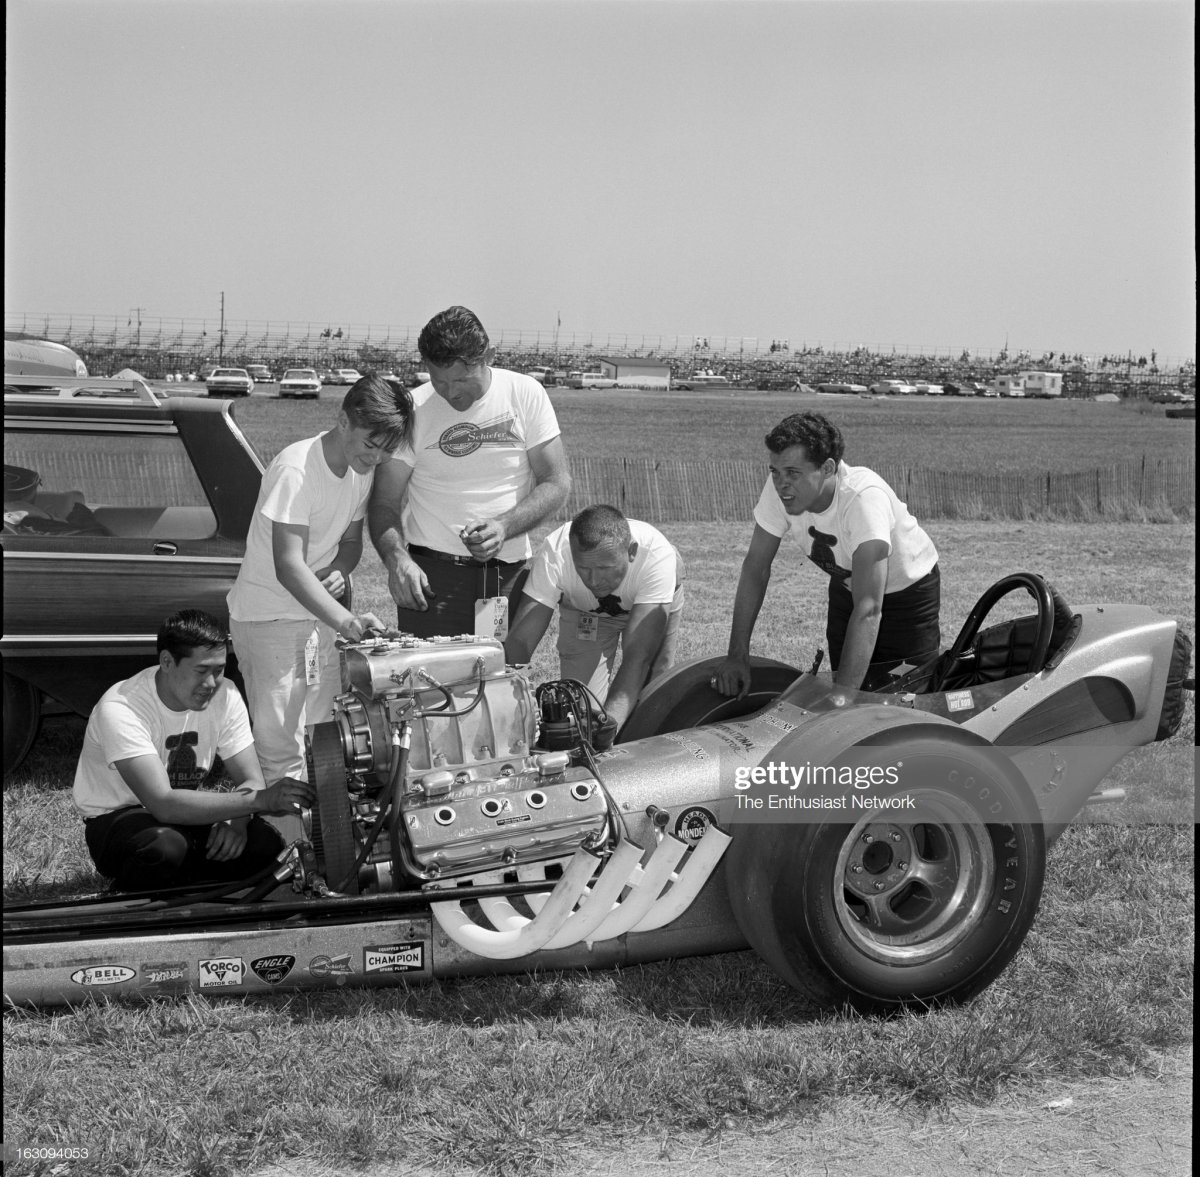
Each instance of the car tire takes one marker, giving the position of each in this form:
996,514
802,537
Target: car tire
880,913
22,716
332,832
684,697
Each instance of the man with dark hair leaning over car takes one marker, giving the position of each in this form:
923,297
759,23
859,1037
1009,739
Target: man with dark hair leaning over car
288,604
149,746
884,584
614,581
484,465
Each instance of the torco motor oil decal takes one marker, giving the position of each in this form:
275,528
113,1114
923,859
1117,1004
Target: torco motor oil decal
692,823
103,974
272,969
222,972
393,958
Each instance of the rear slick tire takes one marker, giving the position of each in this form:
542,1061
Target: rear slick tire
22,715
895,909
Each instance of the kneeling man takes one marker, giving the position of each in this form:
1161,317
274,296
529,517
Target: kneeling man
615,581
149,744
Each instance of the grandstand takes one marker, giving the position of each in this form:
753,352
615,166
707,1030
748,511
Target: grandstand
157,346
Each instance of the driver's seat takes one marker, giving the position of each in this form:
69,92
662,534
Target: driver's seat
1007,649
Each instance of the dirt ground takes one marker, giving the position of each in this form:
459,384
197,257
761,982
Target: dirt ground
1126,1127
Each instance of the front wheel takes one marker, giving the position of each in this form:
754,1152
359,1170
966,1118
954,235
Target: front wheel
921,898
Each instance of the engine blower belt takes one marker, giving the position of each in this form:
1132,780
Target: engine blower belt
332,831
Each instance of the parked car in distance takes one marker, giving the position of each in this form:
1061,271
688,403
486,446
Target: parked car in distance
964,388
803,389
344,376
94,556
892,387
1167,396
229,382
590,380
300,382
259,373
924,388
542,374
842,387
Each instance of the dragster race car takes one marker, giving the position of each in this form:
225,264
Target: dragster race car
877,849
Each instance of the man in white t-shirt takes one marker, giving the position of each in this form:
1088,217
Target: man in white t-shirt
484,465
287,606
614,581
884,583
148,749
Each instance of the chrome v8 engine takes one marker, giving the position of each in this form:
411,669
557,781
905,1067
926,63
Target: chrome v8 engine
431,768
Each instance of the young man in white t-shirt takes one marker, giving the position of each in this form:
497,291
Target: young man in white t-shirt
149,746
450,515
287,606
614,581
884,583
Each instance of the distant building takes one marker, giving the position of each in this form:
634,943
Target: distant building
636,371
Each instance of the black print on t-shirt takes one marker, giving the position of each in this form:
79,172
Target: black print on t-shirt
821,554
181,763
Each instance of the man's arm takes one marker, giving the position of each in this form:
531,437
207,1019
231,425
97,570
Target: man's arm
147,778
289,543
335,576
644,632
733,675
548,461
868,583
527,630
408,585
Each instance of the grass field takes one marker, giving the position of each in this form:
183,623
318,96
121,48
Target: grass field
529,1075
953,433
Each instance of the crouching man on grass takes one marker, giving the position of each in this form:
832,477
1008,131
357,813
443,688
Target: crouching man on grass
149,746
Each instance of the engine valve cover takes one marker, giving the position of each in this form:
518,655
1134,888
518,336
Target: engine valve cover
488,822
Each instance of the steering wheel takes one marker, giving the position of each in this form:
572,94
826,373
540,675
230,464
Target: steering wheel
1041,593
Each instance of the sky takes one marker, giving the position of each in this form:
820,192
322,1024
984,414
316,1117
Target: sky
932,175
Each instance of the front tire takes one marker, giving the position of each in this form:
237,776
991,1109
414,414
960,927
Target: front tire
893,908
684,697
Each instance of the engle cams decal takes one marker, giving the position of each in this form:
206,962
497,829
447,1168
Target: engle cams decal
393,958
272,969
103,974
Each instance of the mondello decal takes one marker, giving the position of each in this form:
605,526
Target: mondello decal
465,437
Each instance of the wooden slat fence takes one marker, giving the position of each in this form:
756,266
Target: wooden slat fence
663,492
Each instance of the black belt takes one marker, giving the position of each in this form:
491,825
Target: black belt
461,561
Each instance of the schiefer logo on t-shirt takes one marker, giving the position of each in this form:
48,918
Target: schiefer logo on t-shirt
465,437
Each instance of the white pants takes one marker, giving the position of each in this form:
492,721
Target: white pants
282,703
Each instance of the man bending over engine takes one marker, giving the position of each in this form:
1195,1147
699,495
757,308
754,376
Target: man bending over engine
149,745
884,583
615,581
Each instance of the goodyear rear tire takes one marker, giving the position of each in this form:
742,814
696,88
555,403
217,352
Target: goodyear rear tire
684,697
332,824
883,909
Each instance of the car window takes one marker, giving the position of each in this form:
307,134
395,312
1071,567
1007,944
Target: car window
115,484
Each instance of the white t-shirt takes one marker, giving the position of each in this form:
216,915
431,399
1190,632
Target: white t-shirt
473,464
864,507
131,720
298,487
653,575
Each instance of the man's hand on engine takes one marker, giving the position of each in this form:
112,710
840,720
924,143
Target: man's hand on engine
285,796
